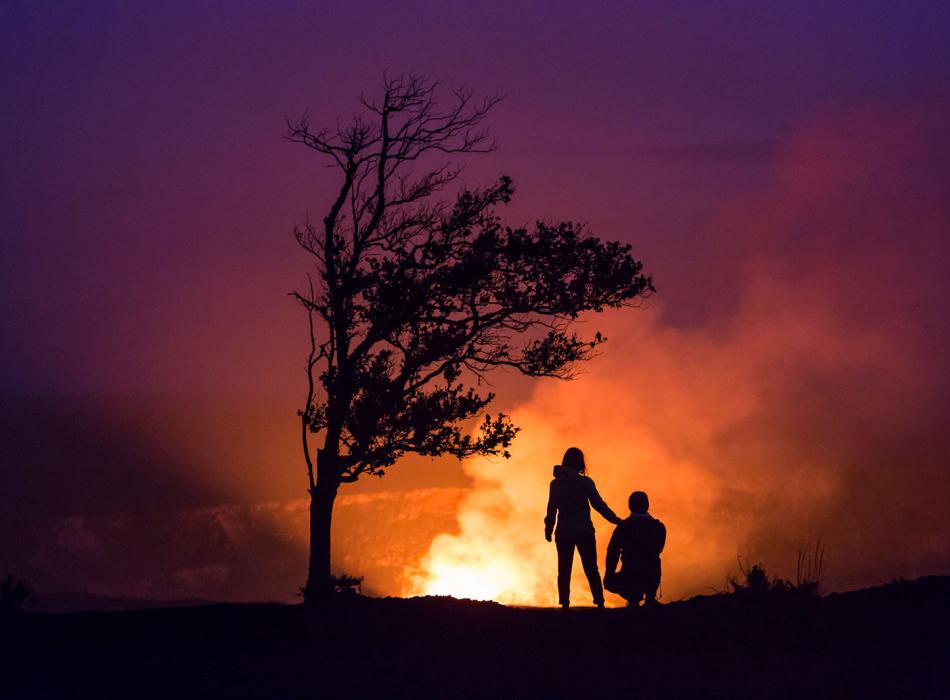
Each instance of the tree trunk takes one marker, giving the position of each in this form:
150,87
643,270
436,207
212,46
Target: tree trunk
319,583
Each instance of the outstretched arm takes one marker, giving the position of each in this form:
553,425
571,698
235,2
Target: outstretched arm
551,516
598,503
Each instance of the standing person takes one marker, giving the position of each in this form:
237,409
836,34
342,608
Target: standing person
571,496
638,540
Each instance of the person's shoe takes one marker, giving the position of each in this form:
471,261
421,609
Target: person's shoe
565,606
599,604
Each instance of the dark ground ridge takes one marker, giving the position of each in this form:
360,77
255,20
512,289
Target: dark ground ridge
886,641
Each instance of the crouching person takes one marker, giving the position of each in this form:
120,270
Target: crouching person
636,543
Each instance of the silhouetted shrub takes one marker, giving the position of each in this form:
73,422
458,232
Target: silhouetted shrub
342,585
810,568
14,595
755,582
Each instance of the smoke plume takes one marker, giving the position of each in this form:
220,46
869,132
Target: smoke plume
812,408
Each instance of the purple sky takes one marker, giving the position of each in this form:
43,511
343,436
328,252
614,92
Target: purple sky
147,197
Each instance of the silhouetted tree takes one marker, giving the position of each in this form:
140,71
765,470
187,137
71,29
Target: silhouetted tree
416,298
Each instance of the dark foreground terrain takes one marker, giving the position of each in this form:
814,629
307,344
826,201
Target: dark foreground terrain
891,641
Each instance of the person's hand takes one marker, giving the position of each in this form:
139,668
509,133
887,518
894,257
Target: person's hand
547,535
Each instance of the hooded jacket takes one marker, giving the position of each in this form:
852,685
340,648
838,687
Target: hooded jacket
569,501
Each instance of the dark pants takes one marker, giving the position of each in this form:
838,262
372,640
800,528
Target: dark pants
636,580
587,548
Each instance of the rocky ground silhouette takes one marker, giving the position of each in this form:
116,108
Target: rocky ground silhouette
887,641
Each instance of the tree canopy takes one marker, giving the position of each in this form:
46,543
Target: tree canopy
416,297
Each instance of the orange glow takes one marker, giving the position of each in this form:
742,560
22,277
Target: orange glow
811,404
489,581
662,423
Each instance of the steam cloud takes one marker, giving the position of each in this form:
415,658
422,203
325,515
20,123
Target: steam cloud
810,401
813,408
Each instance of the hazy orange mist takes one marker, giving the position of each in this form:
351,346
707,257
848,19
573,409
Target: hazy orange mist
648,415
809,410
813,405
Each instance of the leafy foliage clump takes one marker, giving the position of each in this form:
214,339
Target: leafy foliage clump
420,297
